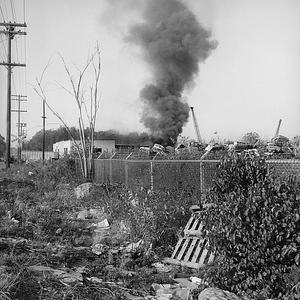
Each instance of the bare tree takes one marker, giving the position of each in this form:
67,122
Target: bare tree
87,107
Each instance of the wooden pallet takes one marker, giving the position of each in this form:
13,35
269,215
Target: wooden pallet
192,250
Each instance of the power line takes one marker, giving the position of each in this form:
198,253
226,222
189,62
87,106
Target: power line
24,11
2,13
17,50
5,8
2,42
18,58
13,10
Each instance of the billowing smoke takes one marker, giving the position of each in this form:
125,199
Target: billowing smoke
173,43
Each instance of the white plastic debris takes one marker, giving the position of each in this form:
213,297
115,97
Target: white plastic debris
161,268
103,224
133,246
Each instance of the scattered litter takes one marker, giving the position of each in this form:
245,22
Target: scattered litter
83,215
185,282
163,291
195,208
131,297
182,293
98,248
161,268
197,280
83,190
40,269
67,276
15,220
97,214
127,273
133,246
124,227
95,279
102,225
215,293
58,231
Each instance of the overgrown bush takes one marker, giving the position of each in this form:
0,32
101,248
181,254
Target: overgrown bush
47,175
37,197
253,226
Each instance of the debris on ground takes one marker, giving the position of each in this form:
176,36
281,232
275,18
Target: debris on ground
171,291
197,280
83,215
162,268
133,246
83,190
218,294
66,275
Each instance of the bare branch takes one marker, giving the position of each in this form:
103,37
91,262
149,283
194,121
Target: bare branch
64,88
45,69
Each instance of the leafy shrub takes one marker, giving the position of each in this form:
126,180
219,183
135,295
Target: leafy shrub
253,226
292,281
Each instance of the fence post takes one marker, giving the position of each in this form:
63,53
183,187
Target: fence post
151,175
110,171
92,169
126,168
126,172
201,178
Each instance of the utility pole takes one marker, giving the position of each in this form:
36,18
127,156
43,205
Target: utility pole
10,33
19,98
44,133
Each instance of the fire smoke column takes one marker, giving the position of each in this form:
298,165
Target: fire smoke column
173,43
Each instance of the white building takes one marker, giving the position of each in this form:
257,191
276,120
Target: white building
65,147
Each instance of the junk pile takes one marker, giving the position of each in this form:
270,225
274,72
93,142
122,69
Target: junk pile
192,250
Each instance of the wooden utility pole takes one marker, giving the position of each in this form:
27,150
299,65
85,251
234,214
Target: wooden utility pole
19,98
10,33
44,132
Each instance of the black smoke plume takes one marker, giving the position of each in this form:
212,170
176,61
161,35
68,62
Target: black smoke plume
173,43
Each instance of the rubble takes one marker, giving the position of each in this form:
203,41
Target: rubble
97,214
186,283
168,291
98,248
162,268
218,294
131,297
65,275
83,215
83,190
197,280
92,214
133,246
101,225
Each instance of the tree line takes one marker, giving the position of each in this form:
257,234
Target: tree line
61,134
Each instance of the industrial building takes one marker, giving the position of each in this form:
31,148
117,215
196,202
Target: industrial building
65,147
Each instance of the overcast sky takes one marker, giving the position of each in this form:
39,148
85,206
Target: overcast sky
248,83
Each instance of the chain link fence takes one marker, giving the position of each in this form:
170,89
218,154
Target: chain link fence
194,175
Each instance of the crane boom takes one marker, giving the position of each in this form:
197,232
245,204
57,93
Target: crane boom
278,128
196,126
